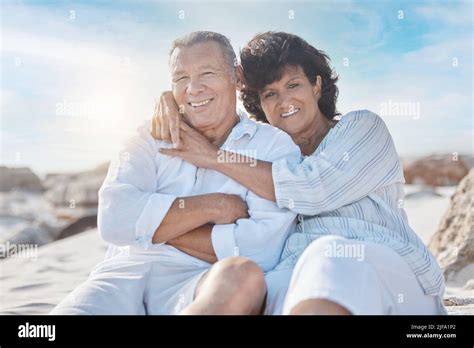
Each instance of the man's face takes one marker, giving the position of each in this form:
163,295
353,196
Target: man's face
203,85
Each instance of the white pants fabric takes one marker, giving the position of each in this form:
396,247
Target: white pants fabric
125,286
374,280
364,277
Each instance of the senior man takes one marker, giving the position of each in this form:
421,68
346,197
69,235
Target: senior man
186,239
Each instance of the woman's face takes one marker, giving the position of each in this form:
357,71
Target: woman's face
291,103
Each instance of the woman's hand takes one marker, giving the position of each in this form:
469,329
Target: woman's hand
230,208
194,148
166,119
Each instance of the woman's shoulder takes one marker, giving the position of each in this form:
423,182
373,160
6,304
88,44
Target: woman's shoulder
360,116
361,120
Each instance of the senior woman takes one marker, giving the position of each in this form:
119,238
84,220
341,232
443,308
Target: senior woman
353,251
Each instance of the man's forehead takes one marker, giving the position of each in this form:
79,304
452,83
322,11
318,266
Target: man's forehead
180,68
197,56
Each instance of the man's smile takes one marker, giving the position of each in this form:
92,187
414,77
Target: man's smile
200,103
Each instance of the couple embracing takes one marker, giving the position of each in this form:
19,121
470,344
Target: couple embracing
308,220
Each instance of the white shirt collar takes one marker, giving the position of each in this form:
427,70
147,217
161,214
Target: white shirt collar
245,126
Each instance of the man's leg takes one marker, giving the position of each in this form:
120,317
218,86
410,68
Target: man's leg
234,285
115,287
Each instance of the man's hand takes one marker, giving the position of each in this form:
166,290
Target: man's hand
230,209
194,148
166,119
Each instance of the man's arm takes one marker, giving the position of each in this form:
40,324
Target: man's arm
197,243
131,210
189,213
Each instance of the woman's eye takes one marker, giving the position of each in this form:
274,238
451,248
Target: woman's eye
293,85
269,94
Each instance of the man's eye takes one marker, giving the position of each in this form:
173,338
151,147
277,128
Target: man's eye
208,73
293,85
180,78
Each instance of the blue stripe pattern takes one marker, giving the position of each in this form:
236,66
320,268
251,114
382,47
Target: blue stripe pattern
352,186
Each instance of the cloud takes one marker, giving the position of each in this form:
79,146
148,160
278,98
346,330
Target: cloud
457,14
110,62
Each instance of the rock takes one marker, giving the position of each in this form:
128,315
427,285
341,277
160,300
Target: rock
437,170
19,178
28,218
453,243
73,190
52,180
456,301
83,224
21,236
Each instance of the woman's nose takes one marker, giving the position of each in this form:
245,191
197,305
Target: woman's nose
284,102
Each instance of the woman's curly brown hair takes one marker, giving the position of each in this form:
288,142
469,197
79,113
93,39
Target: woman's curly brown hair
266,55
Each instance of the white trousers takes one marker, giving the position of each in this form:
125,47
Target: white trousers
366,278
363,277
124,286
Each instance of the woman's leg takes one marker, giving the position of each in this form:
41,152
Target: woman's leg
234,285
335,275
319,307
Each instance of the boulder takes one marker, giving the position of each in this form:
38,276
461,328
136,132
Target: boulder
453,243
437,170
19,178
20,236
82,224
75,189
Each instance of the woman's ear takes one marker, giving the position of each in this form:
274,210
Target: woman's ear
239,78
317,87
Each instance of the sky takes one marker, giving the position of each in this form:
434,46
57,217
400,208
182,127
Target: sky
78,77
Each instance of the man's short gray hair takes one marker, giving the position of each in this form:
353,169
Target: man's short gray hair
205,36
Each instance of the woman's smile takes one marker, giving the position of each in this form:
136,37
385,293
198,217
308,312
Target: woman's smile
290,113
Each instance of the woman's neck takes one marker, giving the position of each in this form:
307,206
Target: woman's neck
309,139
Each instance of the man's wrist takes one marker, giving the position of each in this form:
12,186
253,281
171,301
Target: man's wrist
213,205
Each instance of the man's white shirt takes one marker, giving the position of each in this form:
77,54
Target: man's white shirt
142,184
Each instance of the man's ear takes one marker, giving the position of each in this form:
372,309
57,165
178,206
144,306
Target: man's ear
317,86
239,78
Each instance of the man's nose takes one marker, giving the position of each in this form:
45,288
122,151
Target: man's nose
195,86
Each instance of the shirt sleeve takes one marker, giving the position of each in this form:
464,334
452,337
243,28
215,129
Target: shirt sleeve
130,209
359,158
260,237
